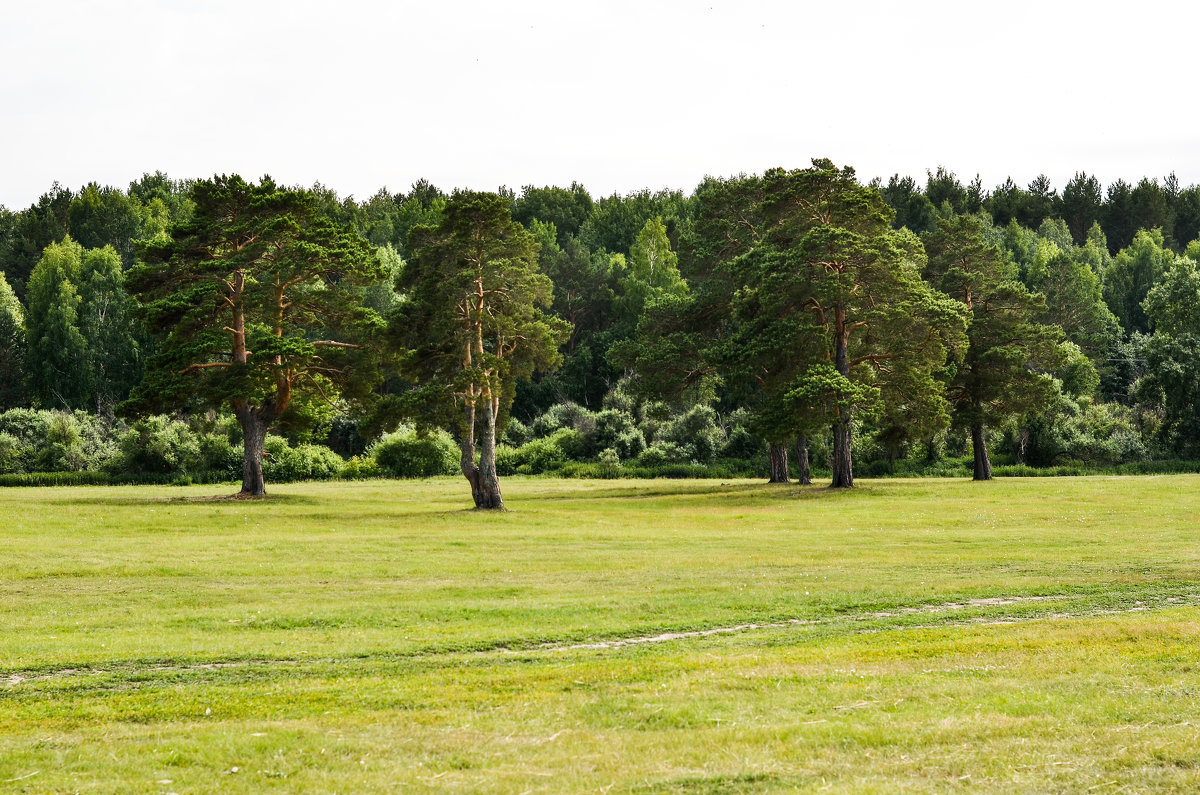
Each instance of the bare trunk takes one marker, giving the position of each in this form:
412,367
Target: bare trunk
254,434
777,454
485,484
843,467
487,490
983,466
803,470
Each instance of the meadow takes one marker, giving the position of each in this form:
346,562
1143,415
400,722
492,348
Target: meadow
603,636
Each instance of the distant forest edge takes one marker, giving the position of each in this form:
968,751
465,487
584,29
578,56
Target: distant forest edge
1063,333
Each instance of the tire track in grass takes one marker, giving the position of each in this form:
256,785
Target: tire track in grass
1146,604
905,612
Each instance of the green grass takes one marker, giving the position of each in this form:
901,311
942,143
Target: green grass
922,635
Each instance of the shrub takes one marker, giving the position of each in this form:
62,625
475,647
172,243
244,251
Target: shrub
409,454
63,449
591,471
284,464
506,460
156,444
743,445
696,432
542,455
652,416
316,462
609,462
567,415
216,453
616,430
358,468
15,455
661,454
27,425
343,436
57,479
878,469
516,433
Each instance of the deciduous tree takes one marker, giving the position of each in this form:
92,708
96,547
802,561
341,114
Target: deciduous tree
1172,355
12,348
56,364
1132,273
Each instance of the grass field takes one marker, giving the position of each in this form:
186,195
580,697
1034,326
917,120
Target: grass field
652,636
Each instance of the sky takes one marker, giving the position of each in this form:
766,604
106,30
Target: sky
364,94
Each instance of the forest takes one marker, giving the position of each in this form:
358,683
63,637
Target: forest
794,323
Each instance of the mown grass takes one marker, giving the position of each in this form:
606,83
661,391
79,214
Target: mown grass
1022,635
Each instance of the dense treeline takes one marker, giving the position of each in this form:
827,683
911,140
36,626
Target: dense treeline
795,314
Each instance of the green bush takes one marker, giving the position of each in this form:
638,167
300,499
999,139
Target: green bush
662,454
15,455
551,452
63,448
58,479
679,471
617,430
156,444
591,471
56,441
516,433
506,460
286,464
343,436
27,425
609,461
216,453
877,469
696,432
358,468
743,445
409,454
567,415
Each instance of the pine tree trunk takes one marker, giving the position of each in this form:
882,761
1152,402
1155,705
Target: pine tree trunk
487,488
983,466
485,484
803,470
843,469
254,434
777,454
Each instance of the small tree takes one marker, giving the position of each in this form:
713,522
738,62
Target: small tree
256,300
472,325
1005,371
114,335
56,362
12,347
1172,379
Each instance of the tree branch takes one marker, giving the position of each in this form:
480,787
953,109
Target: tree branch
199,366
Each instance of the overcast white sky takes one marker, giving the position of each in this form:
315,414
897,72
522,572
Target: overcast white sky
361,94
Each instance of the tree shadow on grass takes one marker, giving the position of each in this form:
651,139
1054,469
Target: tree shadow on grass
201,499
762,489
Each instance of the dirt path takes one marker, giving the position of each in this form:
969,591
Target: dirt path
1157,603
14,678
